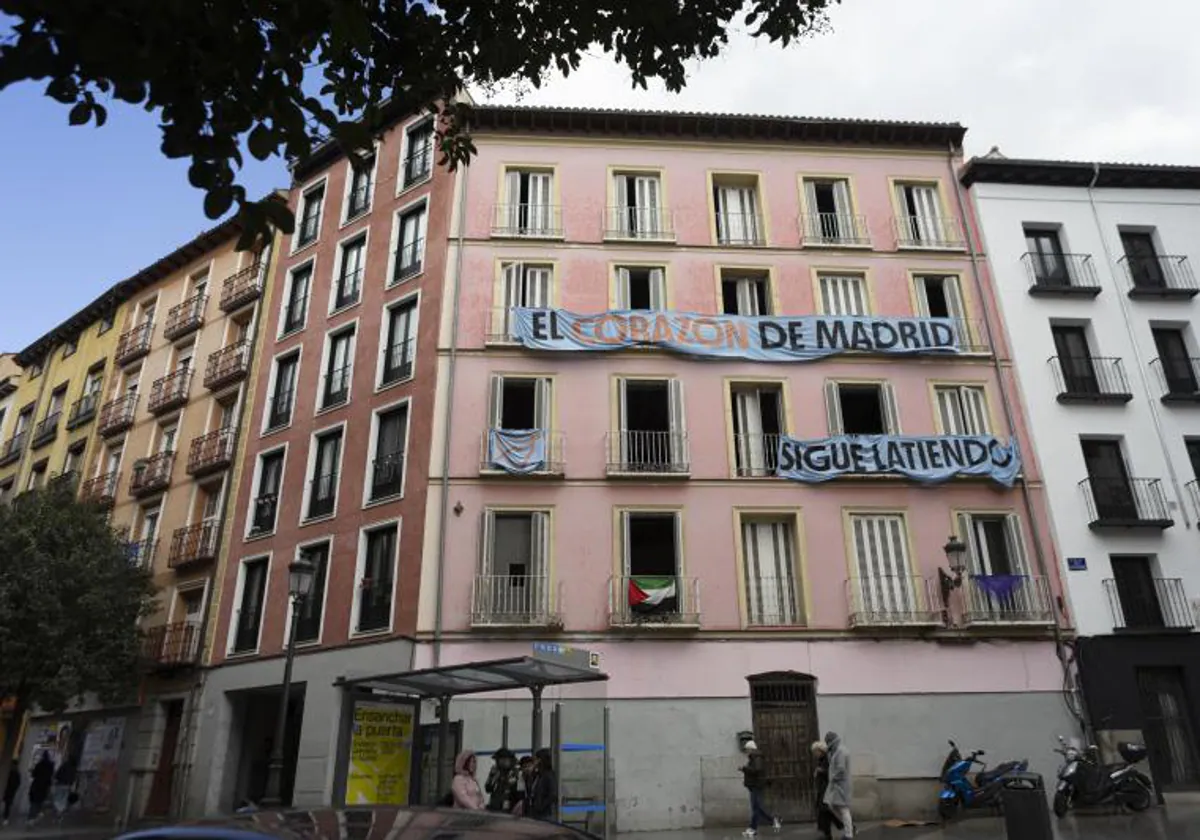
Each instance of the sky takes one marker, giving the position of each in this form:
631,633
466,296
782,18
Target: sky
1111,80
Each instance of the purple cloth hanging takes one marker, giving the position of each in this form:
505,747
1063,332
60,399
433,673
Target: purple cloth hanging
1000,586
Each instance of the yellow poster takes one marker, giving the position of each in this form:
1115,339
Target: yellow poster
380,755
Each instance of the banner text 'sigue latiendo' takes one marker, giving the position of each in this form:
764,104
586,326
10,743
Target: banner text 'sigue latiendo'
925,459
760,338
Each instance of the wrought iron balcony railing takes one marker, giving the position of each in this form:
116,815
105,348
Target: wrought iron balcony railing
1090,379
527,221
938,233
152,474
170,392
638,452
194,544
673,601
541,453
1126,503
45,430
140,553
1160,277
1007,599
1178,377
322,495
1065,275
279,409
101,490
418,164
515,601
170,646
134,343
83,410
11,449
241,288
337,387
116,415
1166,605
262,518
893,601
387,476
348,289
185,317
211,452
650,224
227,365
409,260
843,230
398,361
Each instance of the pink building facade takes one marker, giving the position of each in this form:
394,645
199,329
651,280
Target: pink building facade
628,500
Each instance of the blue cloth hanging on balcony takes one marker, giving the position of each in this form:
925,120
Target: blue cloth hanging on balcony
1000,586
517,451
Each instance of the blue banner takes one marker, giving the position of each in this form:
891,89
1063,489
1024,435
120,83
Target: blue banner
517,451
926,459
761,339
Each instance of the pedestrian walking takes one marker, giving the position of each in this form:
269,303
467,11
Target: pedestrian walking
64,782
543,799
826,819
754,778
837,793
10,789
464,788
40,779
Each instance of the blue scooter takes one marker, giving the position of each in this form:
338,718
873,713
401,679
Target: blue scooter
961,791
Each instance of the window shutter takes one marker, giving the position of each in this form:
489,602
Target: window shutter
539,548
954,305
841,197
624,551
833,407
542,405
747,297
487,528
621,195
1016,544
658,289
948,410
537,287
974,401
496,402
622,295
678,418
891,415
512,188
966,533
810,202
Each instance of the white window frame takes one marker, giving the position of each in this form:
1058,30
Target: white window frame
405,139
330,336
977,561
373,447
751,226
235,611
419,204
930,227
549,225
328,539
281,331
743,278
321,182
272,381
545,395
747,455
676,416
833,404
256,486
658,285
180,590
339,261
971,407
839,291
385,322
360,567
675,513
651,214
507,294
308,473
347,188
540,519
755,605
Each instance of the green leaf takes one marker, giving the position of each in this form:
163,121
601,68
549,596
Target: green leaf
261,142
80,113
217,202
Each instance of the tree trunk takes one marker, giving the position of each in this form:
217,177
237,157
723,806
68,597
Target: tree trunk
11,730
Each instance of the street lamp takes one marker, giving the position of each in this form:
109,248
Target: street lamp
300,580
954,549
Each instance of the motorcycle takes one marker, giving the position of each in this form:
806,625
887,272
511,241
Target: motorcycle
1083,780
960,790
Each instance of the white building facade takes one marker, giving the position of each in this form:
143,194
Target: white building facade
1093,274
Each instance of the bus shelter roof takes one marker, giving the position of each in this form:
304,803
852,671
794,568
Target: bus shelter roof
512,674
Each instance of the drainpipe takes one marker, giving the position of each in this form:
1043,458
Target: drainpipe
1151,401
1060,647
460,211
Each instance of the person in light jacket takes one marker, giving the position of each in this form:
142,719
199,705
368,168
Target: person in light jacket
464,788
837,794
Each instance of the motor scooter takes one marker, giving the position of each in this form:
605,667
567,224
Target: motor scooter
1083,780
962,791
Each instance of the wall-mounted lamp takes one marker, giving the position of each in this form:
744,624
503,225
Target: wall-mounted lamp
955,550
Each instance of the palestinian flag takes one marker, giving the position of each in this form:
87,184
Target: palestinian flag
650,595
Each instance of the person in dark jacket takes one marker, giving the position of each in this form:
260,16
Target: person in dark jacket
754,777
826,819
501,784
40,779
10,789
543,798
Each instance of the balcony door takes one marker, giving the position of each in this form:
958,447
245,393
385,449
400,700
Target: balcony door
651,417
1134,579
757,425
1175,360
515,565
922,210
885,590
1049,264
638,202
1075,360
1111,488
1142,257
651,541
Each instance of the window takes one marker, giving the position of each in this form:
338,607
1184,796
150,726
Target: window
1175,362
757,425
641,288
1112,490
106,323
844,294
1141,255
35,369
362,180
651,436
391,439
55,406
283,391
265,505
400,342
247,620
940,296
1138,601
745,294
69,348
295,307
1075,363
73,462
409,242
24,418
167,436
528,208
993,543
322,493
418,161
737,212
338,363
1047,258
524,285
376,579
309,225
830,216
769,561
861,408
650,548
308,618
348,287
112,461
520,403
921,224
513,588
37,475
962,409
141,552
883,588
637,210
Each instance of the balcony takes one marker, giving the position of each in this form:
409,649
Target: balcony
69,479
116,415
1126,503
972,335
1179,379
409,261
527,221
239,289
500,326
931,233
515,601
83,410
152,475
387,476
398,361
634,452
279,410
639,224
170,392
1061,275
834,230
11,449
211,452
134,343
756,455
1165,608
171,646
101,490
262,517
140,554
1166,277
227,365
893,601
740,229
773,602
194,544
45,430
1093,380
322,495
523,452
336,390
347,290
185,318
1007,599
418,164
674,604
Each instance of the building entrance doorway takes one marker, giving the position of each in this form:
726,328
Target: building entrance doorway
1170,737
783,711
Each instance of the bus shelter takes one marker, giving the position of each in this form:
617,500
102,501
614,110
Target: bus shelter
384,746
